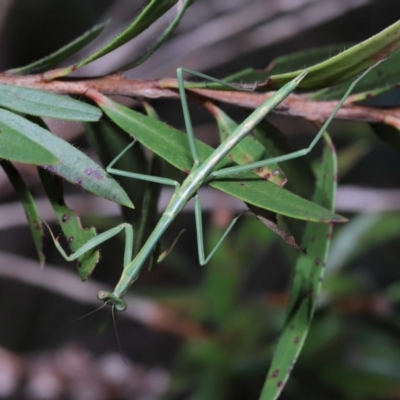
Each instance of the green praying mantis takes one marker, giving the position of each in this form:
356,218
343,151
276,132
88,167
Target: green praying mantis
199,175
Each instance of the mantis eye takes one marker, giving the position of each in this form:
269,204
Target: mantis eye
112,300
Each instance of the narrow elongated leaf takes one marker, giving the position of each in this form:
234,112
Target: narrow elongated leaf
74,166
300,179
75,235
154,10
14,146
331,71
307,281
108,140
248,150
286,63
43,104
27,201
52,60
172,145
348,63
384,77
166,34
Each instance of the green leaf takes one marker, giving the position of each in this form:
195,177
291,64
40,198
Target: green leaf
14,146
43,104
74,166
27,201
327,70
154,10
108,140
248,150
347,64
382,78
70,223
52,60
172,145
166,34
300,178
307,280
286,63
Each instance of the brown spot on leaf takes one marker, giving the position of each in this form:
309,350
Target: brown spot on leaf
296,340
71,239
266,176
246,158
65,218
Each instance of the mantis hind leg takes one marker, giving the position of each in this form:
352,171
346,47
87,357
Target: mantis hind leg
185,108
299,153
199,229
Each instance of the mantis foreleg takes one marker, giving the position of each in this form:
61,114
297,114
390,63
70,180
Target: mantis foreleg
97,240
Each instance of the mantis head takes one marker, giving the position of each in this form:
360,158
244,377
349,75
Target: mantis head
112,300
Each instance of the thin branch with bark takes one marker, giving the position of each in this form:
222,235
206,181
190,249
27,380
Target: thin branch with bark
293,106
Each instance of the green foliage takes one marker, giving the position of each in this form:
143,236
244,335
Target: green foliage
28,202
334,70
62,54
241,342
154,10
307,281
173,146
48,105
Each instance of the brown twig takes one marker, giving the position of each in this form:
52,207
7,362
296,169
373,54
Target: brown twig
294,105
